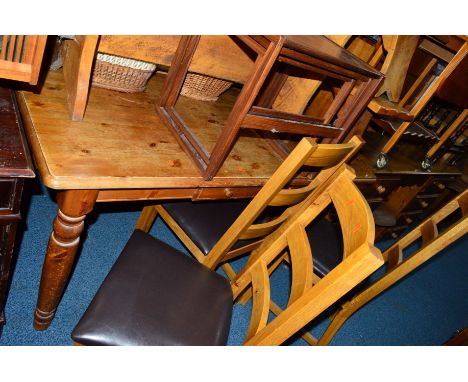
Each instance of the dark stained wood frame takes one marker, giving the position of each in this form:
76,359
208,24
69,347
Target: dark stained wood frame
269,49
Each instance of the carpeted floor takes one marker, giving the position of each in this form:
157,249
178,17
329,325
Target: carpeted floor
424,309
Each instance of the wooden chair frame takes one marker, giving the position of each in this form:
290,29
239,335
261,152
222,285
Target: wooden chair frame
433,242
21,57
382,160
307,300
269,49
273,193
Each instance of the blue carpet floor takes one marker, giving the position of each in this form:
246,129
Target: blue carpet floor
424,309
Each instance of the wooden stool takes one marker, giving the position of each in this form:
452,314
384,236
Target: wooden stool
314,55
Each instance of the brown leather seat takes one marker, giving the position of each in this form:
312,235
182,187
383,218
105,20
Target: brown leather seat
196,306
194,309
206,222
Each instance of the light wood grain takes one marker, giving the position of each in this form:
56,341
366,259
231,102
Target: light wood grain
78,59
433,243
125,145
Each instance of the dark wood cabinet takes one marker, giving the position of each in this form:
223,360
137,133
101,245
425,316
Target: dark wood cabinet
15,166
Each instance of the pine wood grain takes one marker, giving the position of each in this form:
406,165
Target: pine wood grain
124,145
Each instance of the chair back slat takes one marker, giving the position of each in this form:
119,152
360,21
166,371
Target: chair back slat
260,299
428,231
300,254
328,155
262,229
308,299
356,220
21,57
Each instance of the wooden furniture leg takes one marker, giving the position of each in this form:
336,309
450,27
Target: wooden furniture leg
243,104
77,65
74,205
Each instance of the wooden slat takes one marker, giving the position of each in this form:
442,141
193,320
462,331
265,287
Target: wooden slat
447,133
270,123
296,159
78,60
338,101
19,48
11,48
301,263
418,82
351,206
260,299
436,50
3,51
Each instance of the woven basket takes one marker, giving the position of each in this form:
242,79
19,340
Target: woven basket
122,74
203,88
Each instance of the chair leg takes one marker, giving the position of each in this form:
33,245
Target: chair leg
337,322
146,218
244,102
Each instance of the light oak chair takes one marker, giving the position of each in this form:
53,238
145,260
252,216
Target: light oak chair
156,295
433,242
215,232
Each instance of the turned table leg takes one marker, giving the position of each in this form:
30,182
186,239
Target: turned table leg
73,205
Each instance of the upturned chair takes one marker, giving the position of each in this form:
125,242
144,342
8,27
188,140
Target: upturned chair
433,242
156,295
218,231
410,129
275,58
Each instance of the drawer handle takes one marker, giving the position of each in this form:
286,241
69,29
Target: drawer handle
381,189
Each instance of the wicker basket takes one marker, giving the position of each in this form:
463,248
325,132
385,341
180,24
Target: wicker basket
204,88
122,74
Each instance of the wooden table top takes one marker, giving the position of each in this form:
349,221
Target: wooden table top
122,144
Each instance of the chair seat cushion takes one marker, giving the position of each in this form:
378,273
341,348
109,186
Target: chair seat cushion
156,295
206,222
327,245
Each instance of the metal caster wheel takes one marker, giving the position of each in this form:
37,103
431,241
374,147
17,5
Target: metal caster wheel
426,164
382,160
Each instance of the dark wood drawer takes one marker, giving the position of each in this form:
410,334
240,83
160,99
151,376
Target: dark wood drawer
8,203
